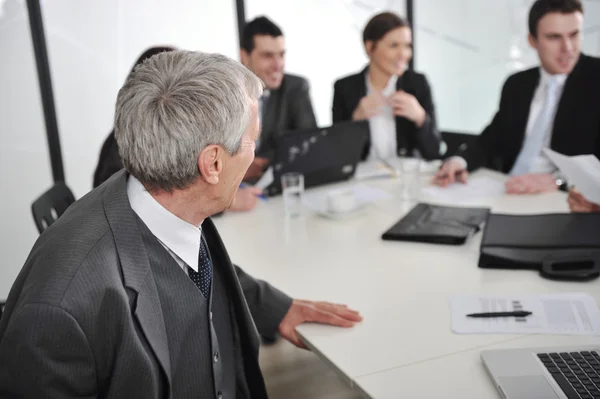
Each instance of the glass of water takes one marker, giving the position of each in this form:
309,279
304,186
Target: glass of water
410,175
292,185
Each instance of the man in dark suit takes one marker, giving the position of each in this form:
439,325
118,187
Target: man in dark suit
131,293
285,105
554,106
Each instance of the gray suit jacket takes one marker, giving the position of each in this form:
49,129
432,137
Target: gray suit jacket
288,108
84,319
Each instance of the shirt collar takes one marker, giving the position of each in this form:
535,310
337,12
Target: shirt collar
545,77
178,235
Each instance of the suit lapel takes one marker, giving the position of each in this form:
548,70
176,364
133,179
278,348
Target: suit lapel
523,108
565,106
136,269
244,318
269,123
360,87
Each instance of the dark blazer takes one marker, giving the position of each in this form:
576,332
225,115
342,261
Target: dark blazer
576,124
348,91
84,318
288,108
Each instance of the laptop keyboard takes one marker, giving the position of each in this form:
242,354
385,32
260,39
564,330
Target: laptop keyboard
577,373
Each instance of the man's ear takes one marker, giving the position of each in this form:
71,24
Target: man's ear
532,41
244,57
210,163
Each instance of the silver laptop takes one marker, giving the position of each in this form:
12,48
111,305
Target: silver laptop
545,373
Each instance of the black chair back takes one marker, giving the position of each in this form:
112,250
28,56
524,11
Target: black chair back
51,205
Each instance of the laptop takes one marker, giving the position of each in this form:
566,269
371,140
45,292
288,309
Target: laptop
323,155
545,373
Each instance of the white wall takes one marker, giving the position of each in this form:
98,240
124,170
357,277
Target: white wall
92,45
24,161
323,40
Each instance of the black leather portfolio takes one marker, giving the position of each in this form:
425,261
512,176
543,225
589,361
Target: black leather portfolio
438,224
562,246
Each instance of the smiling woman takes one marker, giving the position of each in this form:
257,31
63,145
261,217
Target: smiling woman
396,101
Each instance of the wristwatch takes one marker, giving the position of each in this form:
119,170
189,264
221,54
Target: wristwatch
560,181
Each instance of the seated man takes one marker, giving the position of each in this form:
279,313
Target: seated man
109,161
131,293
578,203
285,104
555,106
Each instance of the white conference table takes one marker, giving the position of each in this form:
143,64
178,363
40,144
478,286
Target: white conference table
405,347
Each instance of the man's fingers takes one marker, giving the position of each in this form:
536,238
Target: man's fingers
339,310
441,179
316,315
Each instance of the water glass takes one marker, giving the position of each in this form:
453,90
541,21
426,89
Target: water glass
292,185
410,178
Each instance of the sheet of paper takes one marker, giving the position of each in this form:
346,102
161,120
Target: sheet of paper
266,179
372,170
581,171
425,167
562,314
364,194
475,188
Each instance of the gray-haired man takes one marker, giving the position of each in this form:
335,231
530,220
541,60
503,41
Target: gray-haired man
131,294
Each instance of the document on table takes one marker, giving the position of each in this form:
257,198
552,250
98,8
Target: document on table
266,179
373,170
581,171
475,188
362,193
561,314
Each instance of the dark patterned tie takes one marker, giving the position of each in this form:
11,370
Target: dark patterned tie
203,276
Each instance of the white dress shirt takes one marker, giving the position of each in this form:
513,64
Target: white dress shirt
541,164
383,125
180,238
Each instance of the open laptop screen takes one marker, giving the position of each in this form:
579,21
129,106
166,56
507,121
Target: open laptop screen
322,155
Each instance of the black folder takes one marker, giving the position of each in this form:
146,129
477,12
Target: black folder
437,224
562,246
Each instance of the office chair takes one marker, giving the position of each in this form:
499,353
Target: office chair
51,205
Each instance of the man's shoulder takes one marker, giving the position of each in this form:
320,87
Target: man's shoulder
70,254
525,75
591,66
293,83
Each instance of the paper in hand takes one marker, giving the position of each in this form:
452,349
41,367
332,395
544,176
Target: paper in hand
581,171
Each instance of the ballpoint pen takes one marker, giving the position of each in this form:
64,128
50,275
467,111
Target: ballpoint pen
261,196
518,313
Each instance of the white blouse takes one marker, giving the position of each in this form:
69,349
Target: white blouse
383,125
